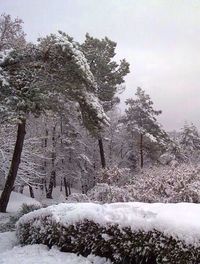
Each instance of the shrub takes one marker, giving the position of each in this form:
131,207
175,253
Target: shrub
10,224
78,198
68,228
105,193
174,183
114,176
167,184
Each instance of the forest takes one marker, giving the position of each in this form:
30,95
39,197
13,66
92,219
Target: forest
64,138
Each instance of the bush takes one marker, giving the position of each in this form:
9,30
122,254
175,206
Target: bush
78,198
172,184
125,245
10,224
114,176
169,184
105,193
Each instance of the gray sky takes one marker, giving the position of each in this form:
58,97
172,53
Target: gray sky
160,39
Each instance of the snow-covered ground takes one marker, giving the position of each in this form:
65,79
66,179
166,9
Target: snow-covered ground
39,254
57,194
12,253
14,205
16,201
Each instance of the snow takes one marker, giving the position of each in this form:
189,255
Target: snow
39,254
7,241
16,201
77,55
92,100
181,220
58,195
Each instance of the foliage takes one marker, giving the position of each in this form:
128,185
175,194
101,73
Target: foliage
167,184
10,224
121,245
11,33
141,123
108,73
114,176
189,142
105,193
77,198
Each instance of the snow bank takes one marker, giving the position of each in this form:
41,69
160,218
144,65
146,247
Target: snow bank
181,221
40,254
16,201
7,241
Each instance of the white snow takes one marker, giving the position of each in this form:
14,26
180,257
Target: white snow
39,254
77,55
16,201
7,241
181,220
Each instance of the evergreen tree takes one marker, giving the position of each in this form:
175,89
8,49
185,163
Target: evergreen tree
108,74
140,120
32,78
190,141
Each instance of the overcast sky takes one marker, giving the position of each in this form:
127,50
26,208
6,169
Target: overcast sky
159,38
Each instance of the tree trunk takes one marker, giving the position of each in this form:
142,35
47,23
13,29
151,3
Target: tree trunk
21,189
31,191
12,174
52,181
51,185
66,187
102,155
141,151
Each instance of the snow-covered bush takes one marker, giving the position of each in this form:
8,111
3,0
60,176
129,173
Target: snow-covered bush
78,198
114,176
10,224
173,183
105,193
125,233
166,158
167,184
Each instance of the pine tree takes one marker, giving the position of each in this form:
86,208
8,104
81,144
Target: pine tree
108,74
35,76
140,120
190,141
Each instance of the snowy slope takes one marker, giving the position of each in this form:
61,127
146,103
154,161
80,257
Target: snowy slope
16,201
181,220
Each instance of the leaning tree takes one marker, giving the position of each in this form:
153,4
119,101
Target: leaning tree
108,74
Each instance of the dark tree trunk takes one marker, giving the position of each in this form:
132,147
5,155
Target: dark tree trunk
61,185
51,185
102,155
12,174
66,187
69,187
45,186
31,191
141,152
21,188
52,181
